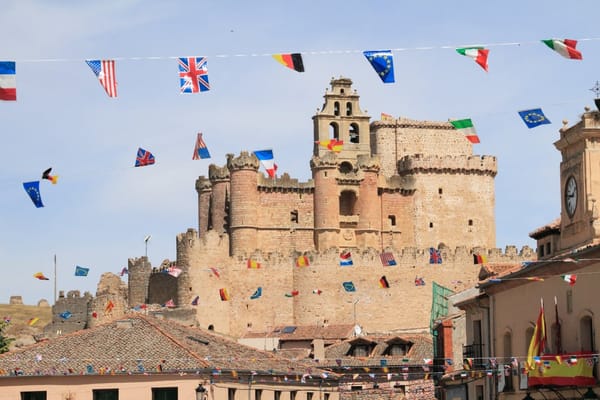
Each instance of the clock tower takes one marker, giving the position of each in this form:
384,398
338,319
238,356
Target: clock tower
580,181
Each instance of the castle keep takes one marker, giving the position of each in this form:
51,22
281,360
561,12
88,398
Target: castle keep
398,186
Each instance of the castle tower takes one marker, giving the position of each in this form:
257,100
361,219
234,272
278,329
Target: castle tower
139,270
325,201
219,179
244,203
204,189
369,222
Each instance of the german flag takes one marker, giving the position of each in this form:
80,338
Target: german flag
224,294
292,61
383,282
479,259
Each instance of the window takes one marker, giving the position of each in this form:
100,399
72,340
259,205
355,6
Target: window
345,167
348,109
277,395
347,201
334,131
230,394
354,134
440,191
164,393
398,349
336,108
548,248
360,350
258,394
392,219
541,250
33,395
507,344
326,396
309,395
105,394
293,395
431,224
294,216
470,222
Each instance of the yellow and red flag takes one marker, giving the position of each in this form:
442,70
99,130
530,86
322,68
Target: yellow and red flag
538,340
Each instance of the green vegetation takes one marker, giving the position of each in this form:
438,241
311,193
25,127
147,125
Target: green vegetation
4,341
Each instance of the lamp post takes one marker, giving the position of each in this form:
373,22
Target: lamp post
146,239
200,392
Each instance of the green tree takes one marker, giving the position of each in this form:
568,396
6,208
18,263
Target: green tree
4,341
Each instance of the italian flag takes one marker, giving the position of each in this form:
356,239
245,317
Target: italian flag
479,54
565,48
570,279
466,127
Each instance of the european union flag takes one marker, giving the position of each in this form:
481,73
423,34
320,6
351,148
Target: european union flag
81,271
65,315
534,117
33,190
257,293
382,62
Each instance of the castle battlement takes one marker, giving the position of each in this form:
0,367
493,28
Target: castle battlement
284,183
419,163
403,122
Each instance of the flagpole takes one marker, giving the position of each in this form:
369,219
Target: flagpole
54,278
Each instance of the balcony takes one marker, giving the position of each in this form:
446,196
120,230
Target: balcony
475,353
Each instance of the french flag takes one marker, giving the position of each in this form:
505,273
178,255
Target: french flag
8,81
266,159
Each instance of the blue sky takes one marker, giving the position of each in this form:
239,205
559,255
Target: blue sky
102,208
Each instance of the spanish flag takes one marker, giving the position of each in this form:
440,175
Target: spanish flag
332,144
538,340
302,261
253,264
32,321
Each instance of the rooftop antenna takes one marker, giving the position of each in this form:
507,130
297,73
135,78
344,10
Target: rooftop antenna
596,90
146,239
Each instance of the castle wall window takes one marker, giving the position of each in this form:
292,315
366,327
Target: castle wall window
354,134
348,109
440,191
336,108
334,131
345,167
431,224
392,220
347,202
294,216
470,222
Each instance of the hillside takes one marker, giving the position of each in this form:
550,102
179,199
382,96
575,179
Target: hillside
20,315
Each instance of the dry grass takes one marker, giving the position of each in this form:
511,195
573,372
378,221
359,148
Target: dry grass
20,315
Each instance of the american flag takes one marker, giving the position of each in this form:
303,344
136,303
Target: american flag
105,71
200,150
387,259
143,158
193,75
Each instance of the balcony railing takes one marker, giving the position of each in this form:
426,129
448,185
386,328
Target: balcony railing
474,352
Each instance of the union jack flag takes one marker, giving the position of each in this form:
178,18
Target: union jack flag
143,158
435,256
193,75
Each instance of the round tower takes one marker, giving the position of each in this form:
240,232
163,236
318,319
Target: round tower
368,204
204,189
326,201
186,245
219,200
139,270
244,203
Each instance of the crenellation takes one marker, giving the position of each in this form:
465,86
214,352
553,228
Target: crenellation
419,163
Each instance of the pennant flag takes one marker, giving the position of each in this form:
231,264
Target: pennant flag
570,279
479,259
387,259
467,128
143,158
200,150
534,117
193,75
564,47
479,54
6,319
174,271
257,293
170,303
331,144
195,301
253,264
105,71
538,340
40,276
292,61
81,271
109,306
124,271
345,258
8,80
382,62
293,293
32,321
267,161
383,283
317,291
51,178
224,294
387,117
419,281
65,315
349,286
33,190
302,261
435,256
215,272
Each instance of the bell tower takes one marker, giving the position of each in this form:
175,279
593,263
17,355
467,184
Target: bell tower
580,180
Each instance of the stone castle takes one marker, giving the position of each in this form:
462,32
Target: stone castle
397,186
